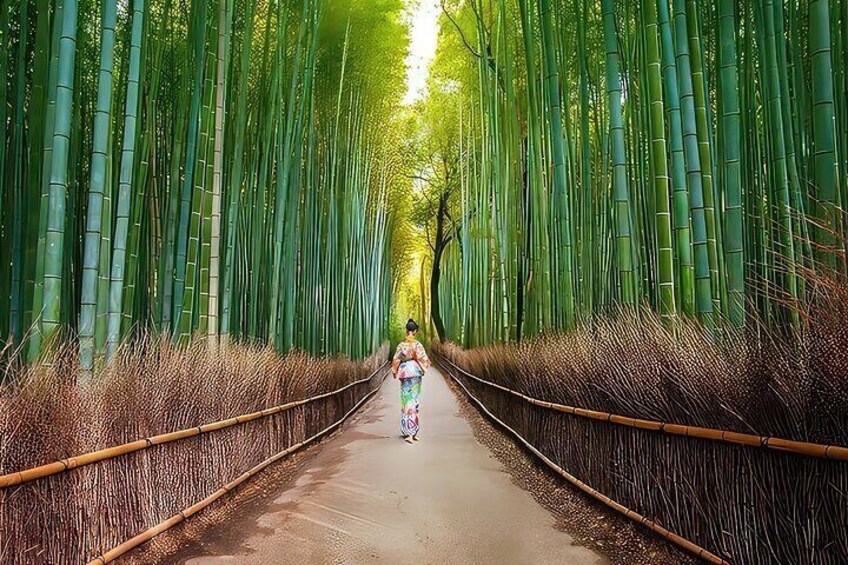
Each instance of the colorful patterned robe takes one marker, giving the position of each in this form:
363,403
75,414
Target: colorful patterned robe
410,373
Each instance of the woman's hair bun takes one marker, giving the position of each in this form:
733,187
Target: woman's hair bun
411,326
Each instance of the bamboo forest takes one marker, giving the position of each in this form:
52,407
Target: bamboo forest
615,228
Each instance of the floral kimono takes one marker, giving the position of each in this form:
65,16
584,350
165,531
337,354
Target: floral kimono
410,372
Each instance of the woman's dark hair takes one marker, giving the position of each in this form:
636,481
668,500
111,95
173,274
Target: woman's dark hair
411,326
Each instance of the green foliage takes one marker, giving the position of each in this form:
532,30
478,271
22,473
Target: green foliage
222,167
244,168
671,152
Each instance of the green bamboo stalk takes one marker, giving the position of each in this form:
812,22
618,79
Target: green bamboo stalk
125,183
680,216
102,131
18,185
699,88
586,197
803,247
37,121
5,49
621,188
824,154
182,240
562,224
200,290
214,275
695,175
780,191
659,160
54,235
236,179
169,245
191,312
282,211
730,161
37,314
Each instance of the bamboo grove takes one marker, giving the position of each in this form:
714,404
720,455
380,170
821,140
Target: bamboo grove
688,155
213,168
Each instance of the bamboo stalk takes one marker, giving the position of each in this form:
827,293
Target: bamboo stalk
676,539
56,467
808,449
147,535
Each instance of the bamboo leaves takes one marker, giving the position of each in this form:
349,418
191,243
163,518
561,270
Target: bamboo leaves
712,147
207,133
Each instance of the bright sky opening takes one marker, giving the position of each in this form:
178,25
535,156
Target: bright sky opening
424,29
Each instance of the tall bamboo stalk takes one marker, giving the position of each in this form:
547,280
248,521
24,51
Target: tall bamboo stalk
125,183
54,234
730,160
97,188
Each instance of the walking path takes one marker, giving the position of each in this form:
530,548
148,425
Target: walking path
368,497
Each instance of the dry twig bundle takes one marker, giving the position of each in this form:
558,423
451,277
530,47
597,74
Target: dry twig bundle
151,388
748,504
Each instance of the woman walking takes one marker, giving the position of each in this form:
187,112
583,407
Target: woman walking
409,364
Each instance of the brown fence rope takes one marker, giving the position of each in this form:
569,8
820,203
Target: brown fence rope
145,536
680,541
822,451
34,473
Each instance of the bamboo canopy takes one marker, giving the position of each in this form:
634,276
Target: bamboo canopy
220,169
674,153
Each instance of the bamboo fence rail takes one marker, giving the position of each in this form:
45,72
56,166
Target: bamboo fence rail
833,452
746,502
684,543
34,473
145,536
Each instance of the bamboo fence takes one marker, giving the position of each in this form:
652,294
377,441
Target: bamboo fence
724,496
72,510
147,535
70,463
834,452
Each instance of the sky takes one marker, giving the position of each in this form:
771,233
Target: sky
424,28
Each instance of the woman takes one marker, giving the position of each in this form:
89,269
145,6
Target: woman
409,364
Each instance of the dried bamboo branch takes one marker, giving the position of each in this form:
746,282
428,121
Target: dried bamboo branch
34,473
682,542
823,451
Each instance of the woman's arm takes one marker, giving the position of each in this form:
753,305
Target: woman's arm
421,357
396,360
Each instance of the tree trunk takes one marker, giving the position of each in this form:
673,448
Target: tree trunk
436,274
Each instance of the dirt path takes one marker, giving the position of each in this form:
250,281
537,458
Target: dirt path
368,497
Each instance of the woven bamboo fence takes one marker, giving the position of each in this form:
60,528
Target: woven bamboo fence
724,494
75,509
